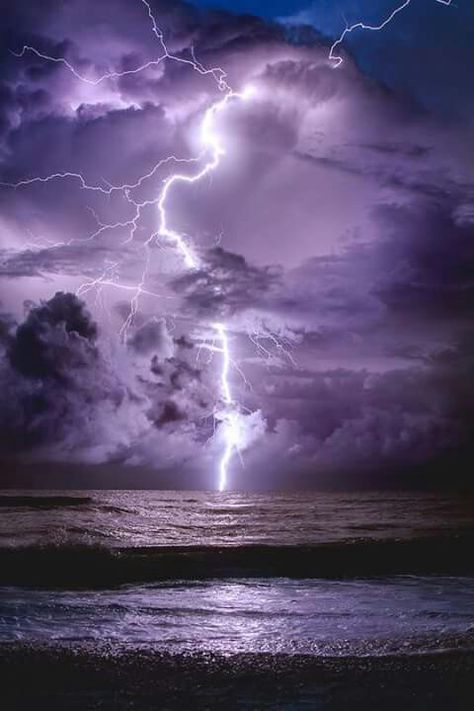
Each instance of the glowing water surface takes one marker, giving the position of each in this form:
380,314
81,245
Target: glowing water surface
170,518
399,614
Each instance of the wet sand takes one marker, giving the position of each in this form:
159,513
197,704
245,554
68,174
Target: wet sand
121,678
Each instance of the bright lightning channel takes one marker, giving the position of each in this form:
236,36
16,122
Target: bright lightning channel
229,418
212,143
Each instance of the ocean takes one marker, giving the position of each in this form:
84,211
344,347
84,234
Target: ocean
341,589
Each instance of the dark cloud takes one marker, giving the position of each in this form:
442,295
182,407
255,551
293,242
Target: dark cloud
362,200
65,399
151,337
424,52
417,273
347,421
432,261
225,284
7,325
170,413
57,384
56,337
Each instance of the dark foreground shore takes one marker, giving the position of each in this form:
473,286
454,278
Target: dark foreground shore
113,677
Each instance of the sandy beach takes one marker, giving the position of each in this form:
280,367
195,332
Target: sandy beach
63,677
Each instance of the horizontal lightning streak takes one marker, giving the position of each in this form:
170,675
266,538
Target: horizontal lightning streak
218,74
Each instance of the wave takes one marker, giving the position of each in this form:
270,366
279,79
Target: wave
110,508
93,566
41,502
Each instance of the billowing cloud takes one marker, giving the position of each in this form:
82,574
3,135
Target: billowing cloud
152,338
69,398
225,283
62,398
337,234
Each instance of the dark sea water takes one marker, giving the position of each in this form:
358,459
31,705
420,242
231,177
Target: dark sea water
310,573
174,518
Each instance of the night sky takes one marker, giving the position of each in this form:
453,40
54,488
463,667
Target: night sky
335,242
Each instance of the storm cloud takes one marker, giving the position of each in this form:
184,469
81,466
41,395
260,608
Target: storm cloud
336,241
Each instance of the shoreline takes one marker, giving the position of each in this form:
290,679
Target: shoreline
117,676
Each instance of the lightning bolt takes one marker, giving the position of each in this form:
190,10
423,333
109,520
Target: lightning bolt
211,142
218,74
229,419
338,60
227,416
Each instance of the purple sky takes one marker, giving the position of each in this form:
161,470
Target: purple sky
336,242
